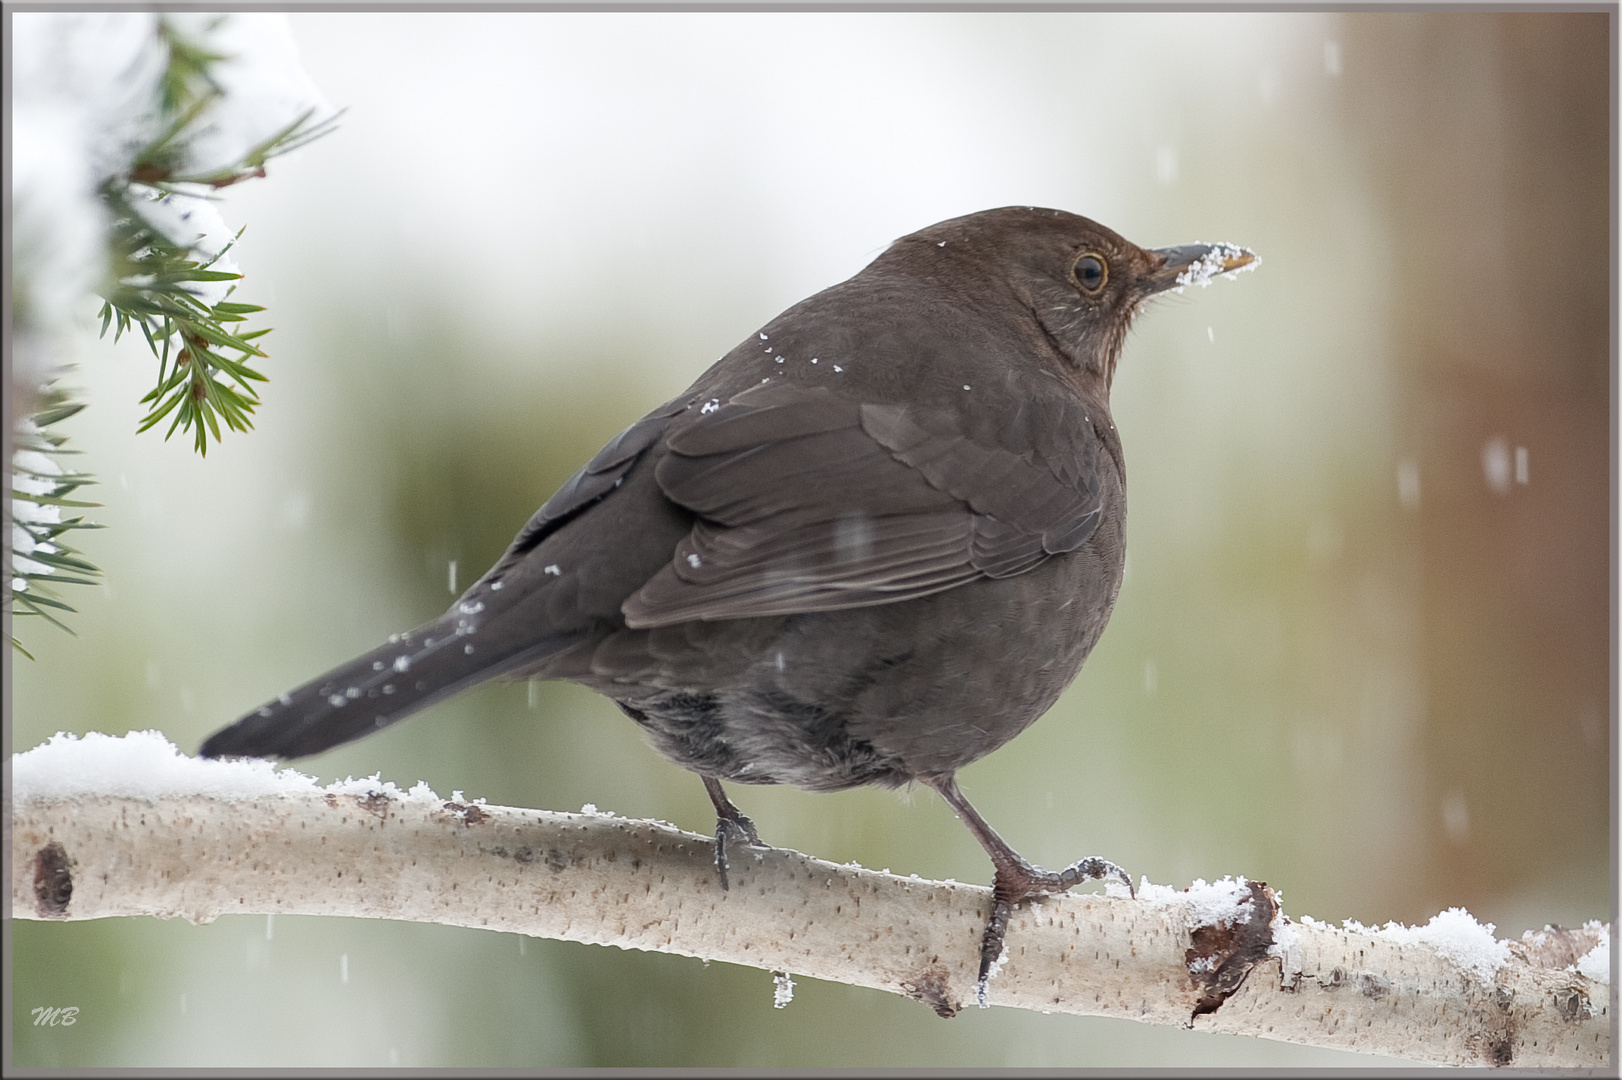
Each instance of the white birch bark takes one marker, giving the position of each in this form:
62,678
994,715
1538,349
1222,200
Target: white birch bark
646,885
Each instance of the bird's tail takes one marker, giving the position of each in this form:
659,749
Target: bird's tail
408,672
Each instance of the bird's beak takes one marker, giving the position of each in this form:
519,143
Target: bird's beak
1198,264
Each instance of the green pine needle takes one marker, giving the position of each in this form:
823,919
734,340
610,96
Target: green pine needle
53,562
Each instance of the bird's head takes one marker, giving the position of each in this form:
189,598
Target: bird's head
1082,283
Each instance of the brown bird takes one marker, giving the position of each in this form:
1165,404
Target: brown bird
870,545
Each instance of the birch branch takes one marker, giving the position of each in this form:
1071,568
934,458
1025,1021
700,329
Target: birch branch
1165,958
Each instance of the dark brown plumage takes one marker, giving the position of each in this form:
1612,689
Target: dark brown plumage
870,545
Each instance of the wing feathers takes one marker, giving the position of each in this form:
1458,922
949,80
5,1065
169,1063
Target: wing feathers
821,566
763,414
991,480
599,476
807,501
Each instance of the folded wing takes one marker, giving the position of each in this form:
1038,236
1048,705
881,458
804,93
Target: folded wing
810,501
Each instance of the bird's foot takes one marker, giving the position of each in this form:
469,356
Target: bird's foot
731,826
1018,880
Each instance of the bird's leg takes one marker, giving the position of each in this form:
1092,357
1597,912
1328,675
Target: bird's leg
1015,879
730,823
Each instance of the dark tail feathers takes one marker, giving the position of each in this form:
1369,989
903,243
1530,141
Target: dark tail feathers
409,672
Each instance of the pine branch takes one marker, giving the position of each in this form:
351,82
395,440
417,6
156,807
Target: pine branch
167,283
168,274
39,556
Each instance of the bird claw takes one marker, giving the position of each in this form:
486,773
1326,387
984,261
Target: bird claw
1093,868
733,827
1019,880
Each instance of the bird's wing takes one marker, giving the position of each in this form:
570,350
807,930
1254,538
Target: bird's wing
599,476
810,501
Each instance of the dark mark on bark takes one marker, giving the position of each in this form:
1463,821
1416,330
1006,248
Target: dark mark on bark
930,987
53,881
1494,1047
470,815
1373,987
1494,1043
524,855
1222,956
1572,1004
557,860
374,802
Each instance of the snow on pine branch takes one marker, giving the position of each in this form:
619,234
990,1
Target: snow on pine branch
125,126
94,102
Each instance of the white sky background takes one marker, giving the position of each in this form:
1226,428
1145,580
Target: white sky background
676,179
619,179
648,165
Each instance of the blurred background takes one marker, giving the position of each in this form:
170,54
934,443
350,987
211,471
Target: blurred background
1362,652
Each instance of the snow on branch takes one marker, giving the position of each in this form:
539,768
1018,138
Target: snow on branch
128,124
125,127
105,827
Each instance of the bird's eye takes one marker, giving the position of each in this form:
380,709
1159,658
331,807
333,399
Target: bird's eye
1091,272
